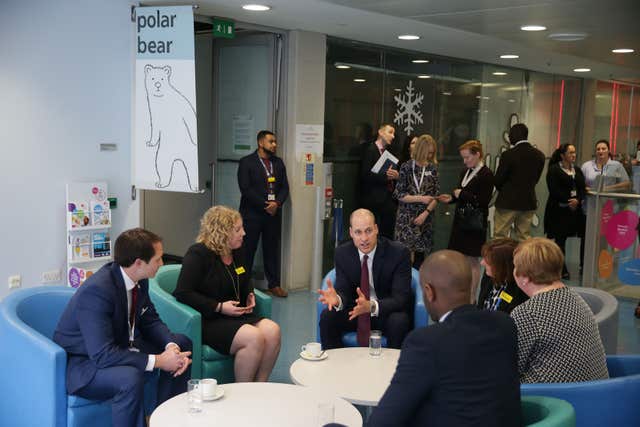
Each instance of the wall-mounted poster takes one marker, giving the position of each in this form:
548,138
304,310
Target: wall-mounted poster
165,145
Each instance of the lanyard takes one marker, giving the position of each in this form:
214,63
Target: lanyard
269,171
415,179
498,299
469,175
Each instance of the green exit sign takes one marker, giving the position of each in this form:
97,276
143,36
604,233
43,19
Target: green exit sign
223,29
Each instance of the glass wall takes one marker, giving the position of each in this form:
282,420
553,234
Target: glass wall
452,100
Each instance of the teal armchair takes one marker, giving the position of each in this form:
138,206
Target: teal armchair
180,318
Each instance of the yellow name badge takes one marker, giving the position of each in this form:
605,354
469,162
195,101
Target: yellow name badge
240,270
271,179
505,296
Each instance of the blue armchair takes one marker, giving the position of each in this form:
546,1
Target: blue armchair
542,411
610,402
180,318
33,385
420,315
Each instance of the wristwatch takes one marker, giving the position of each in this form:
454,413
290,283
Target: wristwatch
373,306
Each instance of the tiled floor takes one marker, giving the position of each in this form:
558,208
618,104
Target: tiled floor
296,315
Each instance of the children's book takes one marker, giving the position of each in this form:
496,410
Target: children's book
79,214
81,246
101,244
100,213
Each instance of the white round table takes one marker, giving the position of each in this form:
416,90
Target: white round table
262,404
351,373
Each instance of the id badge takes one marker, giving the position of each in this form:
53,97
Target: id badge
271,197
271,179
574,194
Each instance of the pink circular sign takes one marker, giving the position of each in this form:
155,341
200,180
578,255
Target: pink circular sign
621,229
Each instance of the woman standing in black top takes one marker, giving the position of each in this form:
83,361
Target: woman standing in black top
563,215
498,289
473,192
214,281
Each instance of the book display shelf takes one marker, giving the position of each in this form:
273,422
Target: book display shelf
88,230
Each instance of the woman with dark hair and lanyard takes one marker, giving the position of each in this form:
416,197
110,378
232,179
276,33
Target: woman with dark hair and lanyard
563,215
498,288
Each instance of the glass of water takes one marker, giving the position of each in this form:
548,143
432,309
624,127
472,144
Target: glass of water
375,343
194,396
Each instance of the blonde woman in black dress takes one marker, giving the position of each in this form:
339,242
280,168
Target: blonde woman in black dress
214,280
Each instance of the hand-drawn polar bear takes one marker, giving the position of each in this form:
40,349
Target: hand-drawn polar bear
173,127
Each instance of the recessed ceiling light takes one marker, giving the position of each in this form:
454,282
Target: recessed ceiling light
446,93
622,51
582,70
424,77
511,100
343,67
398,89
568,37
409,37
509,56
420,61
499,73
256,7
533,28
359,80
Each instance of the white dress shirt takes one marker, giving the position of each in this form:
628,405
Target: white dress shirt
372,290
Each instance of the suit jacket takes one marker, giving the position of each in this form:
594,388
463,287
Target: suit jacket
391,276
516,178
374,189
518,297
461,372
94,327
252,179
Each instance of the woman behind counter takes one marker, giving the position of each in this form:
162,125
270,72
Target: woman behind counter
214,281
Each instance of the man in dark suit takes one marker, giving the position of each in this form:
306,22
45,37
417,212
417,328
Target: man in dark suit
461,371
516,178
377,188
372,289
263,183
114,338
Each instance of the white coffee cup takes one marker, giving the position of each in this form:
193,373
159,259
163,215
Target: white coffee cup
313,349
209,387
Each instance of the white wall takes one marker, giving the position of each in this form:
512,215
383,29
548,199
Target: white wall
65,87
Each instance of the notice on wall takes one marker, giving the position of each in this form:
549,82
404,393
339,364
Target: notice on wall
243,134
309,139
165,144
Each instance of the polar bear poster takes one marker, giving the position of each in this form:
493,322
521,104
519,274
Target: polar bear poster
173,128
165,141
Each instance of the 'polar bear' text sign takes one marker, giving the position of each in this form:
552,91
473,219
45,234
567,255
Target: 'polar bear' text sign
165,146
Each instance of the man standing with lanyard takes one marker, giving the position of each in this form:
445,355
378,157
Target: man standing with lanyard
262,179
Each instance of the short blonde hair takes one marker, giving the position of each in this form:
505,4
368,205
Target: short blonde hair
215,227
421,150
473,145
538,259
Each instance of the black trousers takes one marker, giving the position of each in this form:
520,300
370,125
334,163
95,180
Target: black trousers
333,324
269,227
385,214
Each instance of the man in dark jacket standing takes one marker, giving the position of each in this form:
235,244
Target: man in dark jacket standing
516,178
263,183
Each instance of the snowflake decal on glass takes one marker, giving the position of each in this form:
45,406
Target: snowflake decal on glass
408,111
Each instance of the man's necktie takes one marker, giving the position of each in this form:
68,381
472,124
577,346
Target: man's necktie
364,320
134,301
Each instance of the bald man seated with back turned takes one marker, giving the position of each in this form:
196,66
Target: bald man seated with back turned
459,372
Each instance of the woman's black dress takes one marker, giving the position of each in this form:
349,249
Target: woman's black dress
204,282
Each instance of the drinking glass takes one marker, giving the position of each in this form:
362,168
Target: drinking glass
194,396
375,343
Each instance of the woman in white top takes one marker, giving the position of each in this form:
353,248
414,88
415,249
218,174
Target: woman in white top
612,172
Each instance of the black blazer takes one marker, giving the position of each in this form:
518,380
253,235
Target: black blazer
518,297
391,276
373,186
252,179
559,220
461,372
516,178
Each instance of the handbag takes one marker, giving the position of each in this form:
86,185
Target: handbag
471,218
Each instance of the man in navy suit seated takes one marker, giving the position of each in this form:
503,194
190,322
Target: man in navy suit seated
112,333
461,371
372,289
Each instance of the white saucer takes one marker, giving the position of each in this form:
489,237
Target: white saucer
218,395
307,356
